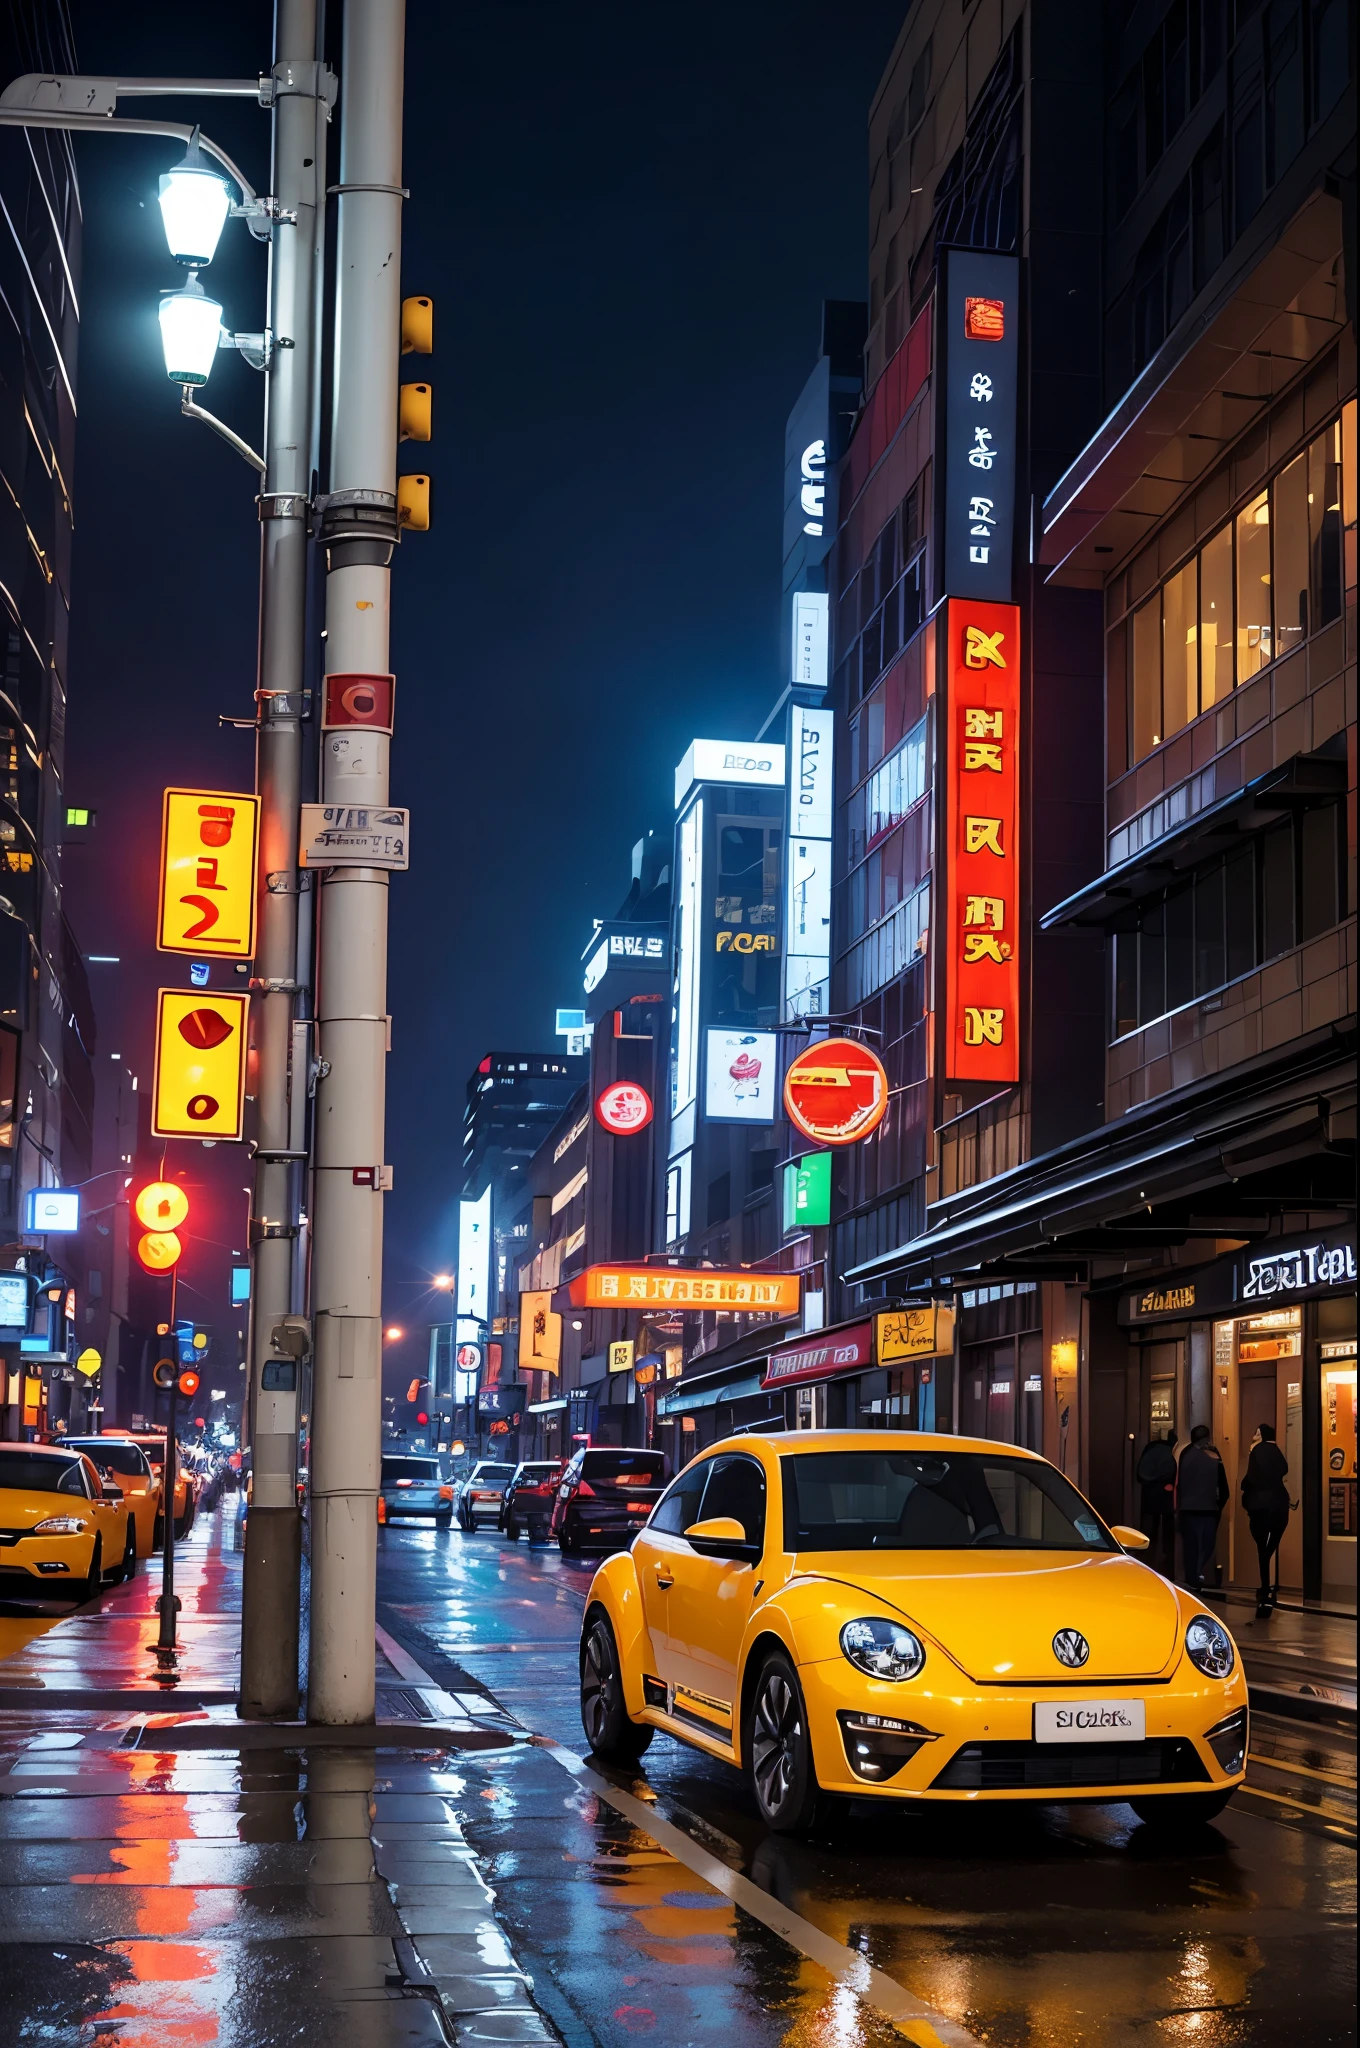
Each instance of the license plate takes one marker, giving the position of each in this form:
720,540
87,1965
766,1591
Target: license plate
1089,1721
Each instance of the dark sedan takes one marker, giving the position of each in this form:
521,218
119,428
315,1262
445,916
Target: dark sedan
604,1497
529,1498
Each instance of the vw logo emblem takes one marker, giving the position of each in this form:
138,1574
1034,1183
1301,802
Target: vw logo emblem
1070,1647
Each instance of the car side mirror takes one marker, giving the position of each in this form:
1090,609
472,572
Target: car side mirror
722,1536
1129,1539
111,1493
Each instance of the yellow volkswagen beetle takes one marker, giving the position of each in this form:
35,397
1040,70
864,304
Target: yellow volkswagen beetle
909,1617
61,1529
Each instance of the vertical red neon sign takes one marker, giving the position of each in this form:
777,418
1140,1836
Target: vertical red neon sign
982,885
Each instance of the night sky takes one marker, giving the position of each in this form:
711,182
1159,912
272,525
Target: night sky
627,218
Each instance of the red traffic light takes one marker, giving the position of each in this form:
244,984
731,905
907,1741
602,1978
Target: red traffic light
421,1416
413,1391
188,1385
199,1422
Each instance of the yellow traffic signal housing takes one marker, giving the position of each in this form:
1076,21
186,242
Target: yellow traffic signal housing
417,327
413,412
199,1086
413,503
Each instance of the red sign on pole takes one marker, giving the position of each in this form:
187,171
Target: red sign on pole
359,700
623,1107
835,1092
982,839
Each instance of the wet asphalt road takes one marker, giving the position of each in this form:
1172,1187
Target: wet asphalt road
1072,1926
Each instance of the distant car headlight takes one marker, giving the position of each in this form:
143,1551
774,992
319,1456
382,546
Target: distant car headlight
59,1525
1209,1647
882,1649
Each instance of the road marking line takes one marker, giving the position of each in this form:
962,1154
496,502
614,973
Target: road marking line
1276,1763
1298,1806
923,2025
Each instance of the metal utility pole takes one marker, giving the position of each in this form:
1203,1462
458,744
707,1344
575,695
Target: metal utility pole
359,530
271,1590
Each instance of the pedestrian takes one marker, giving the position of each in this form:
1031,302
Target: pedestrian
1156,1475
1201,1496
1266,1500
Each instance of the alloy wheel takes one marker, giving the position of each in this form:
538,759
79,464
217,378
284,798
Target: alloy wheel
777,1730
599,1686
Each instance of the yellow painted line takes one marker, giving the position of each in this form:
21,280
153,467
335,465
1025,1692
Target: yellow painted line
1299,1806
1276,1763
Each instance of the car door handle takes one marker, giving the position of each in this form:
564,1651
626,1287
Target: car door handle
664,1578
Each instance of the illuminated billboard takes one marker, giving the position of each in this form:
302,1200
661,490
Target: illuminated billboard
741,1077
759,764
474,1258
207,894
199,1089
982,843
681,1288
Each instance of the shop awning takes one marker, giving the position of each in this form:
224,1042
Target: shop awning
1214,1161
707,1397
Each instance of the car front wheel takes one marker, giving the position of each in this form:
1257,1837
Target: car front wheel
779,1750
1183,1811
609,1730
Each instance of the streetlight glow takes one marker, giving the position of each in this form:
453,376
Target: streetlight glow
443,1281
393,1334
194,202
191,324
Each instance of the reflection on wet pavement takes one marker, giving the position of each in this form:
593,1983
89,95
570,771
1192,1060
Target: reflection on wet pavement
1071,1926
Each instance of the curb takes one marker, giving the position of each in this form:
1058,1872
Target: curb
1301,1706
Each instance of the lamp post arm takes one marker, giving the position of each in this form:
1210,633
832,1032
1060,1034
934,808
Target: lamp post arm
243,448
105,124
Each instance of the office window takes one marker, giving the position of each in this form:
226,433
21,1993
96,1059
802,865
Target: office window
1180,651
1253,587
1215,619
1145,652
1325,516
1289,579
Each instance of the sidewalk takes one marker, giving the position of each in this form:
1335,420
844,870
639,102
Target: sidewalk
171,1875
1297,1663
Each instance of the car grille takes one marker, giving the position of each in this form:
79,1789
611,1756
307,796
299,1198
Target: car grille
1060,1767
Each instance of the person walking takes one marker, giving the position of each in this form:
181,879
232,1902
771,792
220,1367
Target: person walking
1156,1476
1201,1496
1266,1500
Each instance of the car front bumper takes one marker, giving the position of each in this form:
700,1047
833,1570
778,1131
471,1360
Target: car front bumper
46,1560
926,1739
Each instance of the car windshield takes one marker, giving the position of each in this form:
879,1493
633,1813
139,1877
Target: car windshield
528,1474
115,1457
932,1500
624,1468
32,1472
486,1474
424,1469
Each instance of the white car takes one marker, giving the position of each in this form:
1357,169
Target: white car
416,1486
478,1497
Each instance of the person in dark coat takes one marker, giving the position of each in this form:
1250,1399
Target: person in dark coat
1156,1477
1201,1496
1266,1500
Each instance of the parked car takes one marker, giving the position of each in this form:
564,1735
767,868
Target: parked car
152,1442
124,1464
478,1496
528,1499
604,1497
932,1618
61,1529
416,1486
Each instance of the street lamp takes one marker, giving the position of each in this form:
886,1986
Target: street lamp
194,201
191,329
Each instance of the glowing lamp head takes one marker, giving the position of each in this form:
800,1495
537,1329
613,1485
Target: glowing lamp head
195,202
163,1205
159,1251
191,325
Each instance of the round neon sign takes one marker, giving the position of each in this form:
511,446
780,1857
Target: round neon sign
836,1092
623,1107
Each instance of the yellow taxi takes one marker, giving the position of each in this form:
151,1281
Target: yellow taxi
152,1441
124,1464
931,1618
61,1529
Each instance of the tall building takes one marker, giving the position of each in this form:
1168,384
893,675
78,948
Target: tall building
1148,1222
46,1017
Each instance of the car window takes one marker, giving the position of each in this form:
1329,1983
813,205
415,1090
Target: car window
675,1511
736,1487
624,1468
424,1470
34,1472
115,1457
485,1474
932,1500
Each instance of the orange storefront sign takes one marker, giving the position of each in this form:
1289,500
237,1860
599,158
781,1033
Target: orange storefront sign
836,1091
676,1287
982,828
208,849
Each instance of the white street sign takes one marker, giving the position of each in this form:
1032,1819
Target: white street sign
353,836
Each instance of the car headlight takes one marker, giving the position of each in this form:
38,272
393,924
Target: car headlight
882,1649
1209,1647
59,1525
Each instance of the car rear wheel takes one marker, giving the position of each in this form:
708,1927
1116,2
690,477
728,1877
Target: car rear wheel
609,1730
779,1751
1183,1811
511,1529
569,1543
443,1518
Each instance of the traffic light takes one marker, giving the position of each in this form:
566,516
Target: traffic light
160,1207
415,410
421,1417
188,1385
163,1372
